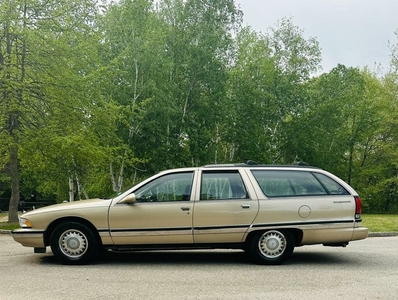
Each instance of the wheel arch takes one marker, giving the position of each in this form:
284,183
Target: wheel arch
297,234
50,229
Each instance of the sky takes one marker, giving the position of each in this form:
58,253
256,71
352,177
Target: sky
355,33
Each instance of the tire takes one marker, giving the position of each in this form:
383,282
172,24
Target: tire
74,243
271,247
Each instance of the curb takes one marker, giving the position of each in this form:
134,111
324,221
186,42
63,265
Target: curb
382,234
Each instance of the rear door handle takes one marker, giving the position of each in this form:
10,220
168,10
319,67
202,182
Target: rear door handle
245,206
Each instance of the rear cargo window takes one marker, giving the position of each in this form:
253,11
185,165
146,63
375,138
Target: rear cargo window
333,187
275,183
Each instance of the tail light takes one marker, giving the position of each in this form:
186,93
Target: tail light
358,208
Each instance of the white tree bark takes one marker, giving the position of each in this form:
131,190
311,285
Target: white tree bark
71,188
117,184
80,188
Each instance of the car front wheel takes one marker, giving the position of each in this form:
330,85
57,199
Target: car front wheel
74,243
271,247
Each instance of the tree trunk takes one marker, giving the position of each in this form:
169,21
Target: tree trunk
117,185
14,174
13,40
71,188
80,189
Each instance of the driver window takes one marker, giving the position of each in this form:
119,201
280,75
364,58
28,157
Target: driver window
170,187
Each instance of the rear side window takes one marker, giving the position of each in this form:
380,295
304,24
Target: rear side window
218,185
275,183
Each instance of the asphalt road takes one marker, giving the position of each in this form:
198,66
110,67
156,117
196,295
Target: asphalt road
366,269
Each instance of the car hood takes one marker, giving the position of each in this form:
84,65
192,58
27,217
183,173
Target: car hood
92,203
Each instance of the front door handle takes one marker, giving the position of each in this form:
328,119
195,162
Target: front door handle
185,208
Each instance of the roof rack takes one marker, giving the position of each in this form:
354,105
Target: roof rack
251,163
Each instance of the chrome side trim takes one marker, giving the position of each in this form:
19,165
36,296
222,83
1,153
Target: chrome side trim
319,224
151,232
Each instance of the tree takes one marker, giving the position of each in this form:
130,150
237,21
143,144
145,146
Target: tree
131,75
168,70
29,62
336,129
267,89
67,137
199,48
378,178
253,118
16,89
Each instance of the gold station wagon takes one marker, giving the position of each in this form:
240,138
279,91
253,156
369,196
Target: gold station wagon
265,210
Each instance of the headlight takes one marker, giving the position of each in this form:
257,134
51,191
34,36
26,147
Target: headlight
24,223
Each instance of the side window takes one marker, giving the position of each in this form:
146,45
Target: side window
222,186
333,187
170,187
276,183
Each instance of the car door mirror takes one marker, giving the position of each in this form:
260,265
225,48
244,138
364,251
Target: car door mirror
129,199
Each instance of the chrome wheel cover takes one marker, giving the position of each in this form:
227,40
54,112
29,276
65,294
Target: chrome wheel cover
272,244
73,243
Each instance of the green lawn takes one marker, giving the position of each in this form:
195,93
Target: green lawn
8,226
380,223
375,223
4,225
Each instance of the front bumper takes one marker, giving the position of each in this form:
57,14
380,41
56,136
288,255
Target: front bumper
29,237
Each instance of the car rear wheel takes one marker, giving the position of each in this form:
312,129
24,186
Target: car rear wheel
271,247
74,243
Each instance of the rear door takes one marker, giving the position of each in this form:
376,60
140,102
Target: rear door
225,206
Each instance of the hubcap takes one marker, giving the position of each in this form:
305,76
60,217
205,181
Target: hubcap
272,244
73,243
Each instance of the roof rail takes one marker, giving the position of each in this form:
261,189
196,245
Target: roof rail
251,163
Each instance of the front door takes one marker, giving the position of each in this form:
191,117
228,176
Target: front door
162,213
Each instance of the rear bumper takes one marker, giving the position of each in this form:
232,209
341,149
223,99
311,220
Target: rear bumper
29,237
360,233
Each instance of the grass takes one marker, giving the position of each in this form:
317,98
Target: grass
8,226
4,225
375,223
380,223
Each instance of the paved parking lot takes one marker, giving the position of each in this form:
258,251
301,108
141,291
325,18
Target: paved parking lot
366,269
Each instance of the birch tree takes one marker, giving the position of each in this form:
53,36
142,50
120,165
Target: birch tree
19,93
33,68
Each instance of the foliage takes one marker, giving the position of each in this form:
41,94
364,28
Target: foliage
95,98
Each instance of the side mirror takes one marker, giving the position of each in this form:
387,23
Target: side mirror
129,199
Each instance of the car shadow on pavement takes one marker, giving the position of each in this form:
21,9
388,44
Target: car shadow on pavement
339,257
174,257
